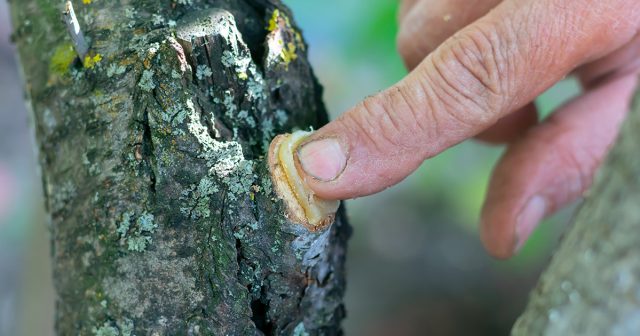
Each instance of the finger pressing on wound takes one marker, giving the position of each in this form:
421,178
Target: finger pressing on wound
494,66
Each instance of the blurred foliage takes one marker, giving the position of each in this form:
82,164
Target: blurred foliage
375,38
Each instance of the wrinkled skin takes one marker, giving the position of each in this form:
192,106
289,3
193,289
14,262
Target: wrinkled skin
476,67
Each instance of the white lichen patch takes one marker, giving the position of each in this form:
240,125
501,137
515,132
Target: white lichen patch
225,159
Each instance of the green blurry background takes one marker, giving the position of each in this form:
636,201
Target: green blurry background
415,264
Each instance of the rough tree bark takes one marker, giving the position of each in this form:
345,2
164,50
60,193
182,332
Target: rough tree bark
592,286
152,148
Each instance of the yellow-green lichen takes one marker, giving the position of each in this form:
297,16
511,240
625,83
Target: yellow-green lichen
275,18
289,53
90,62
62,58
273,22
281,30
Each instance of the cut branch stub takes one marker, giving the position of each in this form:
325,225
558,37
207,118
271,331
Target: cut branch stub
303,206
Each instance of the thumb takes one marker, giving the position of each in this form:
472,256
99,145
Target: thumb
472,80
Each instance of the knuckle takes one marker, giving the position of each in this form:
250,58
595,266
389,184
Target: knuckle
579,162
475,71
377,126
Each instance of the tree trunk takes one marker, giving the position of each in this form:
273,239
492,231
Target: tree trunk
592,286
152,147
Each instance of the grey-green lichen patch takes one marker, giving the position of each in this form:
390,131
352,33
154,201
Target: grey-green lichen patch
300,330
130,13
61,195
126,327
115,70
139,237
239,183
93,168
228,58
138,243
175,116
146,81
165,278
125,224
281,117
157,19
196,200
240,63
255,85
203,72
106,330
245,115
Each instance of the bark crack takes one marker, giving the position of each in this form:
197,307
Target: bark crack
259,310
148,149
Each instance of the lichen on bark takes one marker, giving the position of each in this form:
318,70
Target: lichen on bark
163,218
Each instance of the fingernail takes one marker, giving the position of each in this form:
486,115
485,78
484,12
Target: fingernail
532,213
323,159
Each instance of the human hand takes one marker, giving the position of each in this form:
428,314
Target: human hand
476,67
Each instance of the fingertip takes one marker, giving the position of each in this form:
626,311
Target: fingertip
496,233
528,219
